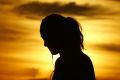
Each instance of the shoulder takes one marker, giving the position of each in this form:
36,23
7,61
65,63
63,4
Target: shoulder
86,58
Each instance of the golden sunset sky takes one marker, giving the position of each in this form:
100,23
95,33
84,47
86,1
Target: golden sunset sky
22,52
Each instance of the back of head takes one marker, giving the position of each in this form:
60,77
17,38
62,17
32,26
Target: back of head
65,31
76,32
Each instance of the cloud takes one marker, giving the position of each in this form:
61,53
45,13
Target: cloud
114,0
18,36
19,72
14,30
2,2
109,47
33,9
8,33
9,2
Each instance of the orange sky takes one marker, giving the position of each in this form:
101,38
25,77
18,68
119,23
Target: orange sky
22,53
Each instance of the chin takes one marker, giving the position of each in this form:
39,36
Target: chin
54,53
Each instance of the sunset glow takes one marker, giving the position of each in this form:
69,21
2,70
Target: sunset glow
22,52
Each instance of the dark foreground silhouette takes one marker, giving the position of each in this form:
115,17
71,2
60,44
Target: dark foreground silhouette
62,35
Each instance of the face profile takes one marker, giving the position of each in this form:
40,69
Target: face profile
63,35
49,32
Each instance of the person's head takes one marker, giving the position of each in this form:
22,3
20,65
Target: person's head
60,33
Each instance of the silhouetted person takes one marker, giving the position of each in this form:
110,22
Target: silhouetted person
62,35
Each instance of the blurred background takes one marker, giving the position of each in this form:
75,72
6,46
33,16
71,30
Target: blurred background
22,52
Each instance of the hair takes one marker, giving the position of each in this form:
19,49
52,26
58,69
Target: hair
64,30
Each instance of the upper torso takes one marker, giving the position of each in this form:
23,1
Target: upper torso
74,68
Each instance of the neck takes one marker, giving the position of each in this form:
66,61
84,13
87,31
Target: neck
70,52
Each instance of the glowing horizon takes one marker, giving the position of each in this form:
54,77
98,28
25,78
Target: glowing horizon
22,51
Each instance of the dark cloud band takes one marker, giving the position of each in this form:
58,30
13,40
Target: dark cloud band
39,9
114,0
109,47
